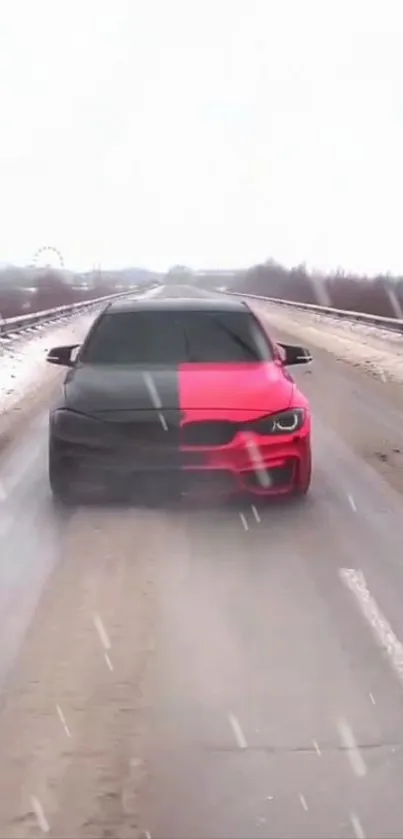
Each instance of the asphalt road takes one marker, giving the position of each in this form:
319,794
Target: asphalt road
224,672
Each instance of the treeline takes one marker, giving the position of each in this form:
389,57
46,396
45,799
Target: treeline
379,295
26,290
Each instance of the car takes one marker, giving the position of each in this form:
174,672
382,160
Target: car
183,396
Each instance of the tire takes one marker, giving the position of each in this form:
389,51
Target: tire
59,479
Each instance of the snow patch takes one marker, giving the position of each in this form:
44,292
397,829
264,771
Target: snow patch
378,350
23,363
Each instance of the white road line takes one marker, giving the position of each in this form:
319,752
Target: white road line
63,720
40,815
3,494
357,826
383,632
352,503
103,635
108,662
316,747
256,514
354,755
238,733
243,520
303,802
372,699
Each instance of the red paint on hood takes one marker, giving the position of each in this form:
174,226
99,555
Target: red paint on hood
243,391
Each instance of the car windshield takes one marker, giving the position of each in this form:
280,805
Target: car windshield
161,337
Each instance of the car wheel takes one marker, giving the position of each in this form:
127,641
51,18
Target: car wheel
59,479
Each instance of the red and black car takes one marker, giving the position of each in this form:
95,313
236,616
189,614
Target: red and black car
179,394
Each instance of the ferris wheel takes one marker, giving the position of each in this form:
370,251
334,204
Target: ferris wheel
48,257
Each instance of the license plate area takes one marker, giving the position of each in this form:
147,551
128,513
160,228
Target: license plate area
206,482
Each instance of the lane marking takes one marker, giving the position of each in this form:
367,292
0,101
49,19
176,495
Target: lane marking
103,635
256,514
355,581
3,494
352,503
372,699
63,720
40,815
303,802
357,826
108,662
238,733
316,747
354,755
243,520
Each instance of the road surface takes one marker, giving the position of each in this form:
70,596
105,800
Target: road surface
201,673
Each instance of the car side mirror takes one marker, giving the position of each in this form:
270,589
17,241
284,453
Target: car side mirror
62,355
295,355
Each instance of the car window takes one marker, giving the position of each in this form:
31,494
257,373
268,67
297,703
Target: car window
160,337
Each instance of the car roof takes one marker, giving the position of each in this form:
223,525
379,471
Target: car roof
176,304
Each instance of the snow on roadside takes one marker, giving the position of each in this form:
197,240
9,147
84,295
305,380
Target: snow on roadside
23,365
377,350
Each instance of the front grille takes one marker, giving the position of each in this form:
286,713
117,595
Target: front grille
158,431
208,433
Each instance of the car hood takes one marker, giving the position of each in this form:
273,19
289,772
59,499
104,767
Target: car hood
220,389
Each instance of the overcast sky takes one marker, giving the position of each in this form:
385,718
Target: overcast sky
212,133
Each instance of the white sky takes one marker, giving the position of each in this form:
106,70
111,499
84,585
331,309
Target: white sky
212,133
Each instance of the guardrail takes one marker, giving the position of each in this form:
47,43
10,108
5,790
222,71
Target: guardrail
21,322
392,324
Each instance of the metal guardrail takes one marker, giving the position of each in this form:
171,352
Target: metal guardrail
392,324
17,324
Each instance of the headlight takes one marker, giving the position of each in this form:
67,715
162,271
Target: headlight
74,427
285,422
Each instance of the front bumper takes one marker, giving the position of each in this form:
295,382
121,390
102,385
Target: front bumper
250,463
